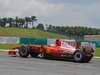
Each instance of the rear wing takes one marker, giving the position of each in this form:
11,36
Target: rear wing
89,44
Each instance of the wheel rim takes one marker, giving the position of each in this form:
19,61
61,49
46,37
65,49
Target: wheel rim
78,56
23,51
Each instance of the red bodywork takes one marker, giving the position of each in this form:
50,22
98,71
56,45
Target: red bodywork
59,49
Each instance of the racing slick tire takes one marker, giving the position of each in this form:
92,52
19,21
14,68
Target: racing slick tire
86,59
24,51
78,56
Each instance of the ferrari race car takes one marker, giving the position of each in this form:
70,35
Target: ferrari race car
61,49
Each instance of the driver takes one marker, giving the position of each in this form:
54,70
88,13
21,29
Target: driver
58,42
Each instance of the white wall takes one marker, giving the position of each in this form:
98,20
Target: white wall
9,40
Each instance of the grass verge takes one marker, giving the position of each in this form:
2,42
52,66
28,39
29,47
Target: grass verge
34,33
97,52
8,46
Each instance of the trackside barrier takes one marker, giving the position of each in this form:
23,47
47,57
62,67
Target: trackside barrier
9,40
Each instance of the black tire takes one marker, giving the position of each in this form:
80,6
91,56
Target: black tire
24,51
87,59
78,56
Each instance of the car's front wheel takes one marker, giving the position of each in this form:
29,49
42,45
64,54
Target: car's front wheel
24,51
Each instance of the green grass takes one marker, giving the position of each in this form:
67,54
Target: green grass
34,33
97,52
8,46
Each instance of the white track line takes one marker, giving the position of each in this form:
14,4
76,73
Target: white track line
4,50
97,57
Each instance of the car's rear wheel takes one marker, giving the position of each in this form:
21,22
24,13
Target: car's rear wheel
24,51
87,58
78,56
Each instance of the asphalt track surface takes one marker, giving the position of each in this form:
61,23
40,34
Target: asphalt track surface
37,66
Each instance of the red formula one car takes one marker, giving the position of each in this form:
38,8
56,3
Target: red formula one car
62,49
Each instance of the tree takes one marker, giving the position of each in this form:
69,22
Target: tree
27,20
33,19
10,21
21,22
3,22
50,28
16,22
40,26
